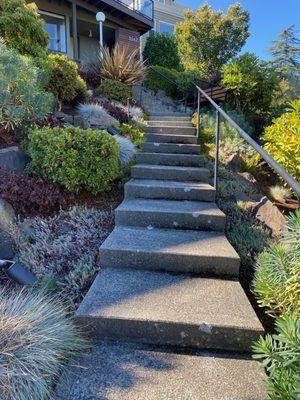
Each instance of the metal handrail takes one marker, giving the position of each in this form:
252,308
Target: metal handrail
289,179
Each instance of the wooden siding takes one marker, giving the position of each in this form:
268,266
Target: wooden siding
128,38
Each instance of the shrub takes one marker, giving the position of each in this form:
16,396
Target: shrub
116,111
64,248
36,340
89,74
22,27
22,100
280,354
122,64
63,78
156,82
126,149
161,50
75,158
30,195
282,139
135,134
136,112
96,114
277,275
114,90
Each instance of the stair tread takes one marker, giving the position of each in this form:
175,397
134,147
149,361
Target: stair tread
194,208
129,371
213,245
177,155
187,186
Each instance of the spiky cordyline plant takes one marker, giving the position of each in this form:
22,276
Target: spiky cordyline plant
36,339
121,64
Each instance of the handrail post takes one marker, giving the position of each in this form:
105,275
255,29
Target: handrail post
198,114
217,145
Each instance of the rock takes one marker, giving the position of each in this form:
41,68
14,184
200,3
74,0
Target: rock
248,202
7,215
251,182
64,117
235,162
81,122
270,215
7,218
13,159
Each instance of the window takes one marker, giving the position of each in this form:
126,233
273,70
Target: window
165,28
55,26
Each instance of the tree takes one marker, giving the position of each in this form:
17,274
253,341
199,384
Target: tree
251,84
286,52
162,50
209,39
22,28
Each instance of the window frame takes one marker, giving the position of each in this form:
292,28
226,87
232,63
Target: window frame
61,17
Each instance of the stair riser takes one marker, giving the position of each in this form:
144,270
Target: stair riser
171,130
212,265
170,175
168,118
169,334
156,138
170,148
169,194
176,160
170,220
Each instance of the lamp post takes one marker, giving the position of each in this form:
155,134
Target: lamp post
100,17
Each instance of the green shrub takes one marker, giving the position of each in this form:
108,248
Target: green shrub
161,50
22,27
114,90
156,82
22,100
280,355
62,78
277,276
36,341
73,157
282,139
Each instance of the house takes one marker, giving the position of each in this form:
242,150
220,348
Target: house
167,13
74,31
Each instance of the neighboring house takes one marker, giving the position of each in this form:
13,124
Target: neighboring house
74,31
167,13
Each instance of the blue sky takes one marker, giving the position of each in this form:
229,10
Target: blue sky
267,19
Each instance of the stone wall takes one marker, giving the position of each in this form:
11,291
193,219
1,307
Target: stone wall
13,159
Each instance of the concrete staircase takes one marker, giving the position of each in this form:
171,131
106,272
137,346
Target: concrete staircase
169,286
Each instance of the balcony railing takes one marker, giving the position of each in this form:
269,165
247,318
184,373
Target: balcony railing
143,7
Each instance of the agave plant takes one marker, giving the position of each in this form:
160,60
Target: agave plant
121,64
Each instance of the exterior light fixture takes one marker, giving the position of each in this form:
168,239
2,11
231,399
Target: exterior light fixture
17,272
90,34
100,17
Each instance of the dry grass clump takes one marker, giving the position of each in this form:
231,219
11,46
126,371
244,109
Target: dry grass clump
36,340
280,193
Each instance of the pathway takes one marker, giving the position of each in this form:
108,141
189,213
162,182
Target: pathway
168,315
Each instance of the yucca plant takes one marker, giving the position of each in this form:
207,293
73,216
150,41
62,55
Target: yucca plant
36,340
280,356
121,64
277,276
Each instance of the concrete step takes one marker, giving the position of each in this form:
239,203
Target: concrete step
184,139
178,117
173,148
172,173
170,214
200,252
174,310
131,371
174,124
170,130
156,189
189,160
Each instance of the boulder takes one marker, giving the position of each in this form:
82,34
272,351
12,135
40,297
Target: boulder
269,214
13,159
235,162
7,219
248,202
